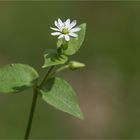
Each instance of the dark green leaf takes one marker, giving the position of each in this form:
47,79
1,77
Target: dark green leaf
17,77
75,43
53,58
58,93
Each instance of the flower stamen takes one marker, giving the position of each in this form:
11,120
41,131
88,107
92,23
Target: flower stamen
65,31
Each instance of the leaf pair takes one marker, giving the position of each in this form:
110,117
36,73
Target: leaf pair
15,78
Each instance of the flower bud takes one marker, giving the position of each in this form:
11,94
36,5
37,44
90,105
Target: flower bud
73,65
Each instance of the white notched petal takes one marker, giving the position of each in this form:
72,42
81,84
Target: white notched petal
73,23
73,34
67,38
67,23
61,24
61,36
75,29
55,29
55,33
56,24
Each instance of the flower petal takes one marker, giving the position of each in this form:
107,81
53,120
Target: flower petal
56,24
55,29
61,24
61,36
73,23
67,23
55,33
73,34
67,38
75,29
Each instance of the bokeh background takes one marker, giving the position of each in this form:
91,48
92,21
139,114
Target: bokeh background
108,89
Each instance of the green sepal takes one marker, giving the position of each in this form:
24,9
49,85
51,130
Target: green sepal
52,57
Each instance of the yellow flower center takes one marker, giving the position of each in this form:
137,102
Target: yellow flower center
65,31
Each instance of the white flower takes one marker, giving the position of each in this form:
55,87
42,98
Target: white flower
65,29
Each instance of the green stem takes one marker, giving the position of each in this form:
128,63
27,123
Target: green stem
29,125
60,69
46,76
34,100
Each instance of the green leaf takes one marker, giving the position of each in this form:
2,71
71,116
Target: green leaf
17,77
75,43
53,58
59,93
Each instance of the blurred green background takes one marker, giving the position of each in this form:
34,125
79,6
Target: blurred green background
108,89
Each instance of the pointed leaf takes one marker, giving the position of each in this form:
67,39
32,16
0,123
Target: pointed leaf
75,43
58,93
17,77
53,58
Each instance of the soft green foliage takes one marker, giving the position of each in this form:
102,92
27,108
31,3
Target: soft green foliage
58,93
75,43
52,58
17,77
55,91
